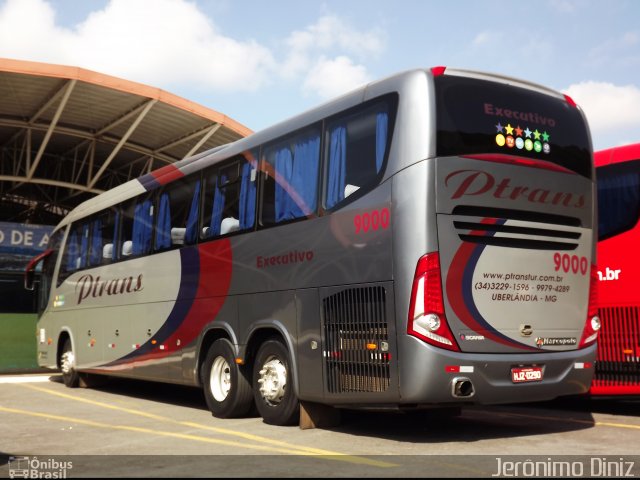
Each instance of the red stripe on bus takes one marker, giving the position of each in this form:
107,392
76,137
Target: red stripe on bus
167,174
455,291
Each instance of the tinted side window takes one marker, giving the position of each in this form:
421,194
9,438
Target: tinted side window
102,229
76,249
230,197
618,198
177,219
355,150
137,228
290,181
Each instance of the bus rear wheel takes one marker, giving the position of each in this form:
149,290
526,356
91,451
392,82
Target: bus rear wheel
273,385
70,376
226,388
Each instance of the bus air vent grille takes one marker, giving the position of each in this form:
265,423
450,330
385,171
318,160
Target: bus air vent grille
356,339
516,228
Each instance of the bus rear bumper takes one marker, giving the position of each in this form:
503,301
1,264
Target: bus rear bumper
467,378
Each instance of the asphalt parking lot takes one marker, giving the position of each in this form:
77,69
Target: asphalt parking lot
140,429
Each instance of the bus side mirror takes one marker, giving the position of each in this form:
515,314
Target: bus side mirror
30,271
29,275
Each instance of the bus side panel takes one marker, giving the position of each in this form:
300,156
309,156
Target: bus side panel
310,357
86,329
618,271
350,245
275,311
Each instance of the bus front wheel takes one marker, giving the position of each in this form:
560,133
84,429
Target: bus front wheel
70,376
273,390
226,388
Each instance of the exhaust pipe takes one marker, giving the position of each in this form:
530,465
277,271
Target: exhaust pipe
461,387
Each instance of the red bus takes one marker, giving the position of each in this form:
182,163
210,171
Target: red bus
617,369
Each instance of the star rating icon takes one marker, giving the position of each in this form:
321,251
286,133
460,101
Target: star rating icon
509,129
518,131
536,134
499,127
545,136
527,132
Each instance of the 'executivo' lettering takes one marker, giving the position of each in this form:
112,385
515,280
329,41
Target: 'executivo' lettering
284,259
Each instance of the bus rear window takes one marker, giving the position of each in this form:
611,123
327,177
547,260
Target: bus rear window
477,116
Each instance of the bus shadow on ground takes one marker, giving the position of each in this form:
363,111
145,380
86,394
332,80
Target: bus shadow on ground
167,393
471,425
421,426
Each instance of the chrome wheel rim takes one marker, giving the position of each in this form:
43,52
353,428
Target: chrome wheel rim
67,362
220,379
273,380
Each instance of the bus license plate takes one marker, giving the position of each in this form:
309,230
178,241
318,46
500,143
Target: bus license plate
526,374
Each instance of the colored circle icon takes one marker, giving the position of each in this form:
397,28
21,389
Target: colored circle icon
519,143
500,140
546,148
537,146
528,144
510,141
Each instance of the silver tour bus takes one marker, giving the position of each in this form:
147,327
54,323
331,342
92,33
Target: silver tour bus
424,241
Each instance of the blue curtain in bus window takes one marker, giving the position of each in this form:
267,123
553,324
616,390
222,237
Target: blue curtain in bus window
306,160
337,165
382,122
284,172
163,227
218,208
84,246
618,202
192,220
95,253
116,232
247,197
142,228
72,250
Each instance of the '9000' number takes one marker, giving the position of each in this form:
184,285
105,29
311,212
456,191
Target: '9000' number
374,220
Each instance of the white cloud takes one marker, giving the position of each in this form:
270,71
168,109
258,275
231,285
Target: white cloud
606,105
331,31
621,50
172,43
329,34
612,111
331,77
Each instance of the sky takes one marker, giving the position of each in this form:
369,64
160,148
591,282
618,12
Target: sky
260,62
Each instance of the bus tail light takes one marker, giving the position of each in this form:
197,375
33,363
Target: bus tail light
592,325
427,320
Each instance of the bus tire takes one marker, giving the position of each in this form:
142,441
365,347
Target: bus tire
227,389
70,375
273,390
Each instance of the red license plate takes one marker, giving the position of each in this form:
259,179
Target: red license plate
526,374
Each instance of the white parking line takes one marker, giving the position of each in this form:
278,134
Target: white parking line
25,378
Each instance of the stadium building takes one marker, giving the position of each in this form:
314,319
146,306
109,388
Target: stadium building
67,134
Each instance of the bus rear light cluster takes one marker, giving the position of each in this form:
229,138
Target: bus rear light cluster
427,320
592,324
